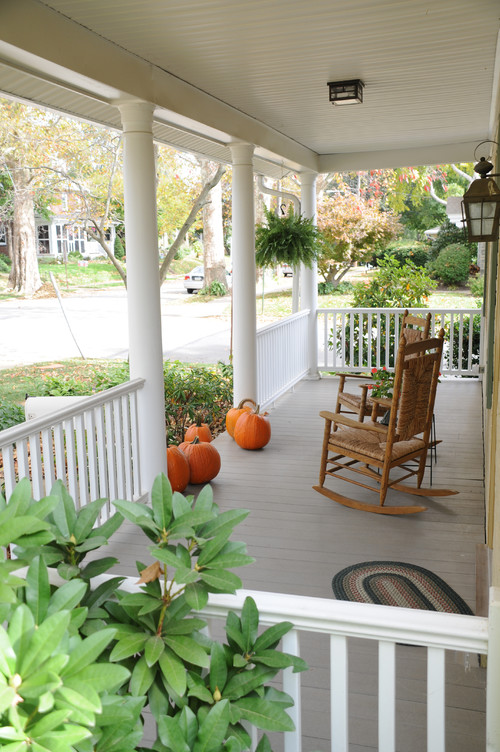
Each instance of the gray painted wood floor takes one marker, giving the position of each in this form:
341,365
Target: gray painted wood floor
300,540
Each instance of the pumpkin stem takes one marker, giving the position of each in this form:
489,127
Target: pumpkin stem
198,419
196,440
244,401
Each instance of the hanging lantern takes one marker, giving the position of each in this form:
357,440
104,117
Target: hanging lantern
481,205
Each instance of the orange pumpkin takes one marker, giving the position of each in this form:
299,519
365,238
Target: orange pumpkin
177,468
203,458
234,413
199,429
252,430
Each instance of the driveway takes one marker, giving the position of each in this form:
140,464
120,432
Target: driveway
36,330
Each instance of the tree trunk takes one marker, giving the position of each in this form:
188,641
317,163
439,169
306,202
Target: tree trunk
24,275
213,238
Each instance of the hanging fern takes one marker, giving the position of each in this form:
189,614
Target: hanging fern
290,239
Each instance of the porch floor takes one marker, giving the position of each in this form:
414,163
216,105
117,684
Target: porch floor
300,540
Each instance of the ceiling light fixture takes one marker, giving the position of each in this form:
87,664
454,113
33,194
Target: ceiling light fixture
481,204
346,92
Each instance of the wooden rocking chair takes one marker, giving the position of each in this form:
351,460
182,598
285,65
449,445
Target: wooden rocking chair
414,328
373,450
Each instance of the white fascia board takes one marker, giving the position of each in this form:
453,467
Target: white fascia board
51,45
411,157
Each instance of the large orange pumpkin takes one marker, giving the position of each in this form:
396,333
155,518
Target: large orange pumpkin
177,468
252,430
203,458
234,413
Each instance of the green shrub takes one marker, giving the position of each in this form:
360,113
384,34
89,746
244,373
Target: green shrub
452,266
448,234
404,251
216,289
5,264
328,288
81,659
118,248
476,286
394,285
10,414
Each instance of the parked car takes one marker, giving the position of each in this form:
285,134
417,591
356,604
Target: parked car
287,270
195,280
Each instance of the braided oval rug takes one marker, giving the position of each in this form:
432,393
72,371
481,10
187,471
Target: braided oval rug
394,583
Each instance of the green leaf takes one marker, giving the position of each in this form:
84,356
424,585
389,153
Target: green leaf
276,659
90,544
264,745
271,636
173,670
161,501
44,507
103,592
64,514
20,498
109,527
86,519
20,526
241,684
249,622
167,556
213,547
171,734
229,561
138,514
68,571
88,650
103,677
130,645
205,500
197,688
67,596
233,630
224,521
97,567
264,715
20,629
44,641
220,580
218,668
142,677
153,649
82,697
213,729
196,595
185,626
187,649
180,505
7,697
62,741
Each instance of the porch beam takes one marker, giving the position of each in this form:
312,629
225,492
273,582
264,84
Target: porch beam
243,256
143,285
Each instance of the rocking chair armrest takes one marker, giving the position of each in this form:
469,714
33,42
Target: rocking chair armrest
384,401
341,419
348,375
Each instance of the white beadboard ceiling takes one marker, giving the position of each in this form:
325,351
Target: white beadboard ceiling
226,70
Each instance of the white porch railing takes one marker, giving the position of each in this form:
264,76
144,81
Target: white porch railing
281,356
437,632
362,338
91,445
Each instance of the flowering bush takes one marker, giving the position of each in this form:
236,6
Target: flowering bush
383,383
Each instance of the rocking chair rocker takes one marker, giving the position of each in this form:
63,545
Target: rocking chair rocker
377,449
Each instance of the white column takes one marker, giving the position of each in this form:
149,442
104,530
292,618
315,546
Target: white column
243,252
309,278
143,285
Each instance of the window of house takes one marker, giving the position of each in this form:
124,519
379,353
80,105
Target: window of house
43,239
3,235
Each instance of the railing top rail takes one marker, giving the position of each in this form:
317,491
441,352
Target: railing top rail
23,430
277,324
398,310
364,620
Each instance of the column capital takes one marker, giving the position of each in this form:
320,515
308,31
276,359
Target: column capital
136,115
242,153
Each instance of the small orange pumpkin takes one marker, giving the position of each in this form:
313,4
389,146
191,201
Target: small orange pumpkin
199,429
203,458
245,406
252,430
177,468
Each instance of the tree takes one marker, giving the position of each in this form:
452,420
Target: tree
213,239
26,142
350,230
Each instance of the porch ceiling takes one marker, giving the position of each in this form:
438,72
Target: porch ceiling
221,71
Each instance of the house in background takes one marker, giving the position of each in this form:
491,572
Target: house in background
58,237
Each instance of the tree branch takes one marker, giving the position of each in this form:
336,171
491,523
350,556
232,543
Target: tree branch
198,204
462,174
